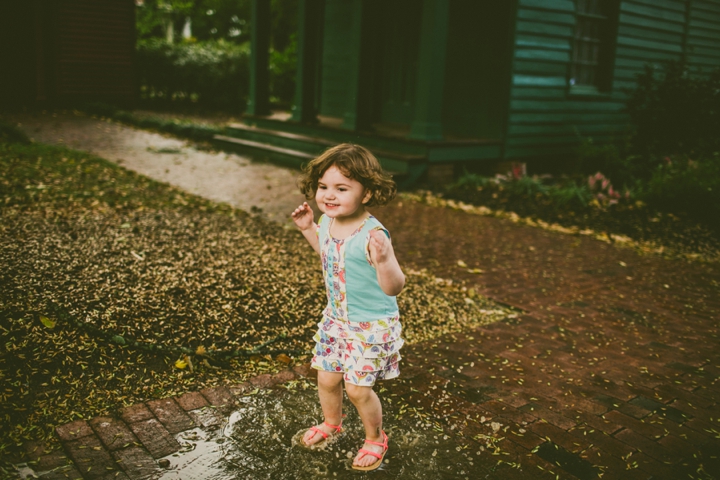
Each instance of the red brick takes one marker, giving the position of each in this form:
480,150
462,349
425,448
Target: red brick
555,418
218,396
283,377
262,381
304,370
643,428
647,446
112,432
155,438
191,401
74,430
136,462
239,390
43,458
206,417
89,456
571,443
136,413
508,412
171,415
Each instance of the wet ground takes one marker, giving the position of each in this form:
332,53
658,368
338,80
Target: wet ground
259,440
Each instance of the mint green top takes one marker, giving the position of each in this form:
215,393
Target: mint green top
353,291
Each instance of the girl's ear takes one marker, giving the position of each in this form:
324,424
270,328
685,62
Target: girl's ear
367,197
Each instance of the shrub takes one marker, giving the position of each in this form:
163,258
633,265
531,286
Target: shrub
676,111
686,186
213,73
571,195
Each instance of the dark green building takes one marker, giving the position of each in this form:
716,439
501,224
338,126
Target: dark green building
432,84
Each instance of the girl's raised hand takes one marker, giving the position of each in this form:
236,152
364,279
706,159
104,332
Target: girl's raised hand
380,247
303,216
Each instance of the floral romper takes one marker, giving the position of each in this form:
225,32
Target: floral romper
359,334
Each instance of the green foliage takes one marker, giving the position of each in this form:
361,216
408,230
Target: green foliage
571,195
470,181
612,160
210,19
213,73
283,66
676,111
525,186
684,186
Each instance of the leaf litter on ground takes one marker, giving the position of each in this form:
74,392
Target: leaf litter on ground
118,289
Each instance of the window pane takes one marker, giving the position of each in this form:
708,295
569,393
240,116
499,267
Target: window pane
591,25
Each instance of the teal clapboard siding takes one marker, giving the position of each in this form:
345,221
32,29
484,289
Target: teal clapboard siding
546,117
703,35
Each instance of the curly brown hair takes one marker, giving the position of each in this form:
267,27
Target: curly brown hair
354,162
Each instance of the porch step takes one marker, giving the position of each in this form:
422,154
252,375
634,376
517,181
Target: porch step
295,157
309,144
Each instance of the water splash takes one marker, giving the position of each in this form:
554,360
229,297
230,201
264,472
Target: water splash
256,442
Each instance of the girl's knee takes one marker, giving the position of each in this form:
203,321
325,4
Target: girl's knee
329,379
357,392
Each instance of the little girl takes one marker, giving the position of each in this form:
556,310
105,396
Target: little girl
358,339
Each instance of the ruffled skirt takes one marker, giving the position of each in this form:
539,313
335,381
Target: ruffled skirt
363,351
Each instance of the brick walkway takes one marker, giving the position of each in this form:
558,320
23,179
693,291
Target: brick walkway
612,370
615,363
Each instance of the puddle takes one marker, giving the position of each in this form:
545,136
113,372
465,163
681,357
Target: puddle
256,442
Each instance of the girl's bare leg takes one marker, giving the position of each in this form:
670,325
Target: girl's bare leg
330,393
370,410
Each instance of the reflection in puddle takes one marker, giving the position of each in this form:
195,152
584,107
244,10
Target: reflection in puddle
256,442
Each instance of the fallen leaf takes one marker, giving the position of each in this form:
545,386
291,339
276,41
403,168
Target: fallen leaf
47,322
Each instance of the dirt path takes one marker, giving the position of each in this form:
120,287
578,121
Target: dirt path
240,181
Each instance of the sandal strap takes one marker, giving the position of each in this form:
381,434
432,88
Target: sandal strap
337,428
384,443
370,452
317,430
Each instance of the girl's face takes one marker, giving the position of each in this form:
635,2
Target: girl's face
341,197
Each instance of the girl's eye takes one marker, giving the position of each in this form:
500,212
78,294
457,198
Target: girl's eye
322,187
342,189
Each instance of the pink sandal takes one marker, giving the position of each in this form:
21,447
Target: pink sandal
327,437
379,456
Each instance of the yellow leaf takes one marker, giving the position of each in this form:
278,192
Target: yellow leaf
461,264
200,350
180,364
47,322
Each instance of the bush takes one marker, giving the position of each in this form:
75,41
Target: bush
283,65
212,73
681,185
675,111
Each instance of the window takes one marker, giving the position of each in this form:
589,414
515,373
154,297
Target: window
593,45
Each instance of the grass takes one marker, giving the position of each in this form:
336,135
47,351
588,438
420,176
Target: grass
112,282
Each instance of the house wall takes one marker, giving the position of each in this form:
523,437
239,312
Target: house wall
95,50
545,118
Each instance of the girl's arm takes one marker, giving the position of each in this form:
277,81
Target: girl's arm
389,275
303,218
